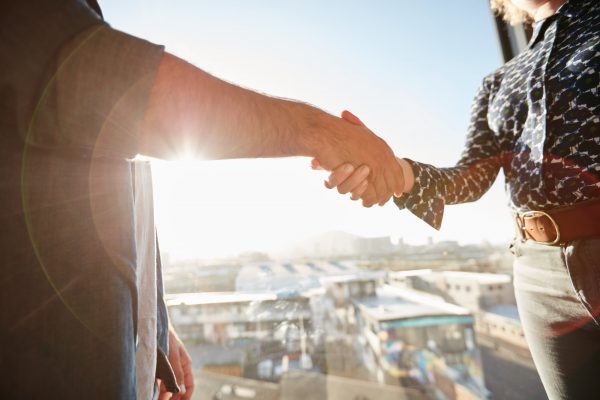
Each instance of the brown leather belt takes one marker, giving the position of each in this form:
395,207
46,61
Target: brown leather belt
561,225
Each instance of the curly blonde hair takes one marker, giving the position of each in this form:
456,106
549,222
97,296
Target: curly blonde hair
509,12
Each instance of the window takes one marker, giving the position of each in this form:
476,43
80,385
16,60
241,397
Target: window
241,224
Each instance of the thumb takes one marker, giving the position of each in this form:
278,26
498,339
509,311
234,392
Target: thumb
353,119
315,164
164,395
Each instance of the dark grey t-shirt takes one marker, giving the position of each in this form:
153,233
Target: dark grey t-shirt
72,96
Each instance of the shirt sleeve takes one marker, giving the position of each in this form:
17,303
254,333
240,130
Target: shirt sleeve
96,94
468,180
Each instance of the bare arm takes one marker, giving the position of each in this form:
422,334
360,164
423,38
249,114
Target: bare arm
114,95
192,112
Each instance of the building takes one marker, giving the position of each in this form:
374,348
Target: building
189,278
502,324
489,296
332,286
477,291
473,290
302,276
235,316
253,335
419,340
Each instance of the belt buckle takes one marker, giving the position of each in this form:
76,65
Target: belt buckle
534,214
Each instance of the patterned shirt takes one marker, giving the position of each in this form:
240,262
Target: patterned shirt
537,117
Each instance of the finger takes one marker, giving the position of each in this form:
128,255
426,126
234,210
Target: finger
339,175
188,376
369,197
315,164
353,119
175,360
385,198
380,186
164,395
358,192
390,179
353,181
368,203
162,391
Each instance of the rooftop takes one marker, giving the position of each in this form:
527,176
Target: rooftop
300,276
191,299
409,273
480,277
392,303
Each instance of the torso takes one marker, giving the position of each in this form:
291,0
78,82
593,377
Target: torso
545,112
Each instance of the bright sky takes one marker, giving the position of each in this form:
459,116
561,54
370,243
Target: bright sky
408,69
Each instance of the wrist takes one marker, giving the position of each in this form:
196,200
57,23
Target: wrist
409,176
315,134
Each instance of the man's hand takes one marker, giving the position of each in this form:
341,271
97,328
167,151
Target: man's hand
379,175
182,367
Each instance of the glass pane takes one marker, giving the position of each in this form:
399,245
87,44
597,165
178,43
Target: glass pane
283,290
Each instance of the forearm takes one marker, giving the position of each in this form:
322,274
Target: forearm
469,179
434,188
193,113
464,183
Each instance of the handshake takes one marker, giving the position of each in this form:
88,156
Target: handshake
196,112
362,164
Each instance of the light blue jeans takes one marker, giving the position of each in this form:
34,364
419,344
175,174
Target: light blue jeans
558,296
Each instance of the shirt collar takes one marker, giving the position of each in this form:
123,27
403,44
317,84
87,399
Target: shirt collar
539,27
574,8
571,9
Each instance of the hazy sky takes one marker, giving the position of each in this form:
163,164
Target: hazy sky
408,69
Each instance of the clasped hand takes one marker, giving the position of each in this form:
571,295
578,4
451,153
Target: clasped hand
361,163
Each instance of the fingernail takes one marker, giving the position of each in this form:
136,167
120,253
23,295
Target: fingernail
348,168
327,185
364,170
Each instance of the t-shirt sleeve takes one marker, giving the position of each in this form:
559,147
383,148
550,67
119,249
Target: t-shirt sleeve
96,94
